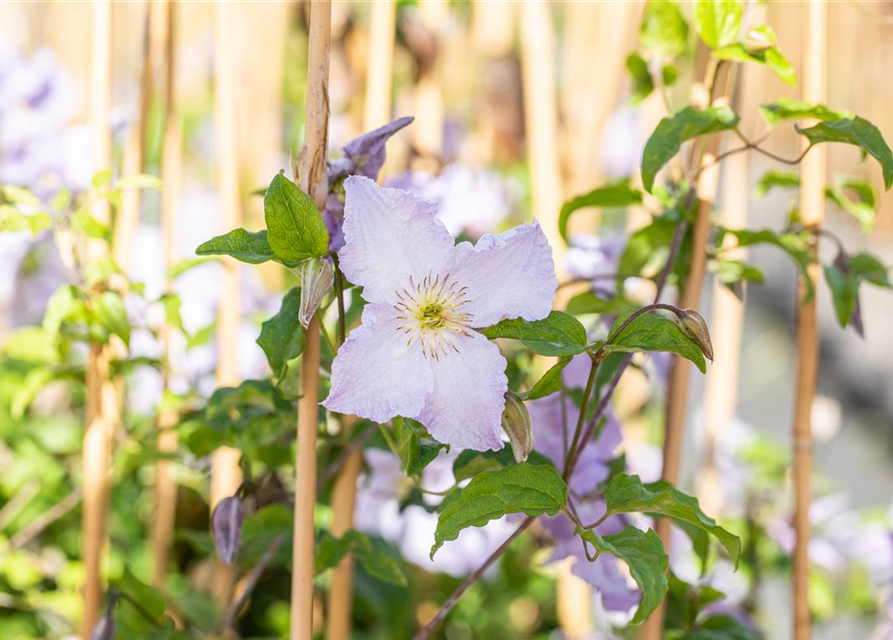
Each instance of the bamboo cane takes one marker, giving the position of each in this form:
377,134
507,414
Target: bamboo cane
102,398
541,120
172,159
226,476
376,113
812,202
312,182
702,155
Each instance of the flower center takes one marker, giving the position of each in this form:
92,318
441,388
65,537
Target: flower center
430,314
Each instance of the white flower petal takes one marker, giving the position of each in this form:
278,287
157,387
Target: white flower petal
465,408
390,235
376,375
508,276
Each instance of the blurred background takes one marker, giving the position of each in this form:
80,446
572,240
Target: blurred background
518,107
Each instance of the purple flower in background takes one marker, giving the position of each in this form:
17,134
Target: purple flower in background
595,258
379,491
621,148
472,199
416,353
363,156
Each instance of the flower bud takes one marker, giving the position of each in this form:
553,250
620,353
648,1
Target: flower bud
226,523
105,627
317,275
517,425
696,327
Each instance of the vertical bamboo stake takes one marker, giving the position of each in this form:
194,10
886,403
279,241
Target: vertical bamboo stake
427,131
226,476
312,182
812,202
171,167
541,120
376,113
702,155
102,397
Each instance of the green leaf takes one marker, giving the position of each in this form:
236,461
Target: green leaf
718,21
63,301
139,181
671,132
522,488
790,109
647,560
619,194
627,494
376,562
845,276
588,302
202,336
295,228
664,31
721,627
186,264
172,304
844,293
412,444
112,315
150,599
643,83
245,246
767,54
559,334
549,383
282,336
772,179
869,268
19,195
733,271
649,332
83,221
470,463
856,131
796,245
101,178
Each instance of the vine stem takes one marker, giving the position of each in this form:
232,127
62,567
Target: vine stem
812,201
313,182
102,398
450,603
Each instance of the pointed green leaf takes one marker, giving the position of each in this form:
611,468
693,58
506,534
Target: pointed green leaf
619,194
112,315
790,109
647,560
412,444
766,52
856,131
796,245
330,551
559,334
643,83
718,21
664,31
649,332
295,228
244,246
671,132
627,494
282,336
549,383
522,488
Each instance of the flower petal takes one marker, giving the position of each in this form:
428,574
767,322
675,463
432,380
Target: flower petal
465,408
508,276
376,375
390,235
367,152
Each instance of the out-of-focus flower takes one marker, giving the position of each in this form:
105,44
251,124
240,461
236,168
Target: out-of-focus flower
621,148
472,199
595,258
416,353
380,490
363,156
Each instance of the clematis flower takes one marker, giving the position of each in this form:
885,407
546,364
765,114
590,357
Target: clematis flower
416,353
363,156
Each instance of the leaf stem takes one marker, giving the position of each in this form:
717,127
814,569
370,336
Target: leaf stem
339,294
587,393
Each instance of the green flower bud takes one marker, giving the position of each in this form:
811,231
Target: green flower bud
317,275
517,425
696,327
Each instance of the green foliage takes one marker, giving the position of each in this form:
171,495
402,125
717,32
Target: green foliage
673,131
664,31
856,131
588,302
559,334
522,488
619,194
244,246
795,244
643,83
295,228
412,444
649,332
330,551
844,277
627,494
718,21
549,383
282,336
789,109
760,46
647,560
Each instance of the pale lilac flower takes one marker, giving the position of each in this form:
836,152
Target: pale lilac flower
379,492
596,258
416,353
472,199
621,148
363,156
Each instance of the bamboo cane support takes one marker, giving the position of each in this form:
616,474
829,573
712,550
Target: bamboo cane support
102,397
312,182
226,476
171,169
812,202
